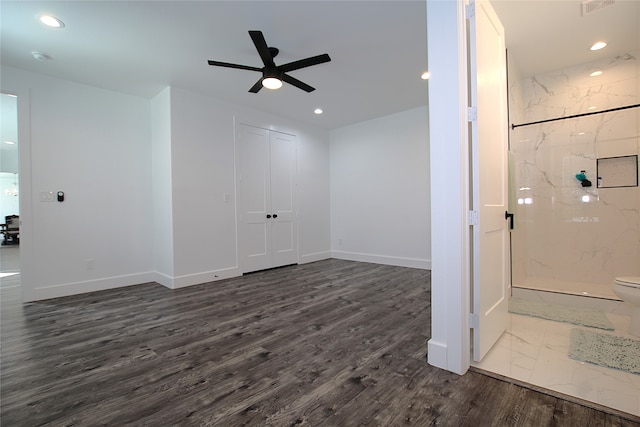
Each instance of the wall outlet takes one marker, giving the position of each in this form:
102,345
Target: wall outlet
89,263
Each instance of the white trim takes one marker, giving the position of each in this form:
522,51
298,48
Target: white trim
424,264
76,288
317,256
449,346
197,278
437,353
27,263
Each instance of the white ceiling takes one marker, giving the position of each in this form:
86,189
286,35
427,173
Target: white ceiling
378,48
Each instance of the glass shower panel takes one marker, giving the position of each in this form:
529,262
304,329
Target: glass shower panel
570,235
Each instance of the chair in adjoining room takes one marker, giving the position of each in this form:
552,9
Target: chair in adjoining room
11,230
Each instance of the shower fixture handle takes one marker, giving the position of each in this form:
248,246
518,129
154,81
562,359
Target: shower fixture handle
509,216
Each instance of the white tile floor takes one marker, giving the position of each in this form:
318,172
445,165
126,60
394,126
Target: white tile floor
536,351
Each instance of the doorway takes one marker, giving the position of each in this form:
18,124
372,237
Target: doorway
9,192
573,233
267,214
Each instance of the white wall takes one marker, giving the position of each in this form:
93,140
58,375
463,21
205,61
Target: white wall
449,346
144,184
203,170
94,145
380,208
162,189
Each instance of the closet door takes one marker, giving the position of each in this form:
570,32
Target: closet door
254,233
284,238
267,222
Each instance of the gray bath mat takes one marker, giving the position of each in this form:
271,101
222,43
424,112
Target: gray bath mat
561,313
605,350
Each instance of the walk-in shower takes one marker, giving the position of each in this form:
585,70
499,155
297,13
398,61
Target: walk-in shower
574,146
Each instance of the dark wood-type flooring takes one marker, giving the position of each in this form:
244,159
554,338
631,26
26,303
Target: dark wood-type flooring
332,343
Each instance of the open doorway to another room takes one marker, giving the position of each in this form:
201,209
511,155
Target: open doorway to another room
576,223
9,193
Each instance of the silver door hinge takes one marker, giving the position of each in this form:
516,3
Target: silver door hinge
470,10
472,114
473,217
474,321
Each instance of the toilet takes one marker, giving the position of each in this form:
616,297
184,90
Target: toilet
628,290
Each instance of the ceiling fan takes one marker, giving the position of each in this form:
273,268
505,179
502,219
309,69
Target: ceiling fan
272,74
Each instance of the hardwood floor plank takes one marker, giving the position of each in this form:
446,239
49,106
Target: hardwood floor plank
331,343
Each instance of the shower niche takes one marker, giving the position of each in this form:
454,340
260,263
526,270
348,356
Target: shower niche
619,171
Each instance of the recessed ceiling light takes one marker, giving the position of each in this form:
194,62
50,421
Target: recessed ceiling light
40,56
593,107
596,73
51,21
318,111
10,142
598,45
425,75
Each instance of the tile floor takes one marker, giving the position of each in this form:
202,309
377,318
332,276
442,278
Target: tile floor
536,351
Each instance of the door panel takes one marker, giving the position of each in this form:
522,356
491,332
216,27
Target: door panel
283,199
254,179
487,65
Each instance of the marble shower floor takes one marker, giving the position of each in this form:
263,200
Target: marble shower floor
536,351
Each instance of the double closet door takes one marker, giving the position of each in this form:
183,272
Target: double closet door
267,223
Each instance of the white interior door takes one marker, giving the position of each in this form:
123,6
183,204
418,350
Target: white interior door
255,198
284,239
267,212
487,67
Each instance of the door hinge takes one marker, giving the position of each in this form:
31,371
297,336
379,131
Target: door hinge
473,217
472,114
474,321
470,10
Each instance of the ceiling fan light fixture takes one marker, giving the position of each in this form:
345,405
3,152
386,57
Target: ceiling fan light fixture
272,83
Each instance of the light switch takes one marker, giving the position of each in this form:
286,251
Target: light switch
47,196
226,197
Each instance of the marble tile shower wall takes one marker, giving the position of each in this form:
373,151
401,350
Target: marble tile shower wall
565,231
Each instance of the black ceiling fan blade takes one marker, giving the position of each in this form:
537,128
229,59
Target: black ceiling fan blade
263,49
229,65
256,87
308,62
297,83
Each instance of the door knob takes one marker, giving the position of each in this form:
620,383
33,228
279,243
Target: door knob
268,216
275,215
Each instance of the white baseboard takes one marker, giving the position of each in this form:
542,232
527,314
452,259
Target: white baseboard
176,282
197,278
68,289
318,256
383,259
437,354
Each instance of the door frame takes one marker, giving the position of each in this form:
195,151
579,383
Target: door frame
237,123
450,344
26,247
